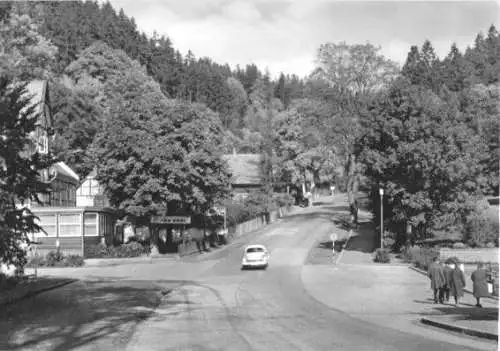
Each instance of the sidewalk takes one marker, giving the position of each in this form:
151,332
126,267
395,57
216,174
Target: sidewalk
392,295
395,297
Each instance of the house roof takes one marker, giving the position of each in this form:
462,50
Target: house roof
245,168
63,171
37,90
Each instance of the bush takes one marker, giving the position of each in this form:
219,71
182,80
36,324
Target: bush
382,256
56,259
53,258
73,261
422,257
283,200
480,229
131,249
490,245
458,246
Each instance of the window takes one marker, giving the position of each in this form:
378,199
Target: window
42,140
69,224
48,223
90,224
255,249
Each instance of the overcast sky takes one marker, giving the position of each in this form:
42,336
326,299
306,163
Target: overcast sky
283,35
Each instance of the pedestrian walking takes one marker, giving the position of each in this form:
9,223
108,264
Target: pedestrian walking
438,281
332,190
448,275
457,283
480,283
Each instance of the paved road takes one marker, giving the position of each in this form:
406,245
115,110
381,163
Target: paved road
227,309
215,306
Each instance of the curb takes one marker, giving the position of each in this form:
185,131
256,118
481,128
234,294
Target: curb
36,292
463,330
467,290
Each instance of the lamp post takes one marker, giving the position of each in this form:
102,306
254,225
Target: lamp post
58,246
381,193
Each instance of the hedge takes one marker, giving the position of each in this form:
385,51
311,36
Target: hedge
55,259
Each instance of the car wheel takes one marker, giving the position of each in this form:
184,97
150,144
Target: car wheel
243,268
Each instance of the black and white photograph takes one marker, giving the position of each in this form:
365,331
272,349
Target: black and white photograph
249,175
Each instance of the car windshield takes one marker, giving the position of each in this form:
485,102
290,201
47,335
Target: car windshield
255,249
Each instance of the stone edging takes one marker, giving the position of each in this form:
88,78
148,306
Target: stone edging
11,299
456,328
465,289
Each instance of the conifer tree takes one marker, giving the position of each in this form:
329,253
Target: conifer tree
20,172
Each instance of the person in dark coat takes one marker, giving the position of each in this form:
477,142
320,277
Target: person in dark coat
457,283
448,273
480,283
436,275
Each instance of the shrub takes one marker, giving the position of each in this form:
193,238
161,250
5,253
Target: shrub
480,229
382,256
73,261
283,200
96,251
458,246
56,259
53,258
132,249
422,257
490,245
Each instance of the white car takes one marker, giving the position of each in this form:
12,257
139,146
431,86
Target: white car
255,256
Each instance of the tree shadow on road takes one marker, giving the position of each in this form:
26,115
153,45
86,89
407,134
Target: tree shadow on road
363,238
95,314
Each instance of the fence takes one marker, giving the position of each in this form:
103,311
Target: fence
470,255
242,228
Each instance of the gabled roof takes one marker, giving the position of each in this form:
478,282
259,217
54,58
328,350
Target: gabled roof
66,172
245,168
37,90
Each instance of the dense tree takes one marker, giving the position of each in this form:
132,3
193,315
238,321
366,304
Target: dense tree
20,172
355,71
24,53
77,118
429,162
304,151
422,67
357,68
164,159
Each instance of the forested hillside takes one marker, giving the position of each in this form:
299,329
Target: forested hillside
426,132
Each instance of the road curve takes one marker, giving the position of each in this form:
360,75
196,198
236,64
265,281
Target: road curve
230,309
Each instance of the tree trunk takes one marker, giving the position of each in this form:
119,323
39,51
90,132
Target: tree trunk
352,180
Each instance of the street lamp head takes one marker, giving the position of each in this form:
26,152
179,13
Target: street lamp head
381,191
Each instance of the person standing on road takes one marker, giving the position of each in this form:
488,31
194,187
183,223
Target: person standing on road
438,281
480,283
448,276
457,283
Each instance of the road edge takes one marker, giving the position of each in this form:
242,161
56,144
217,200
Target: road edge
459,329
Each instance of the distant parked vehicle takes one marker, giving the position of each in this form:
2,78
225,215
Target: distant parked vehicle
255,256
